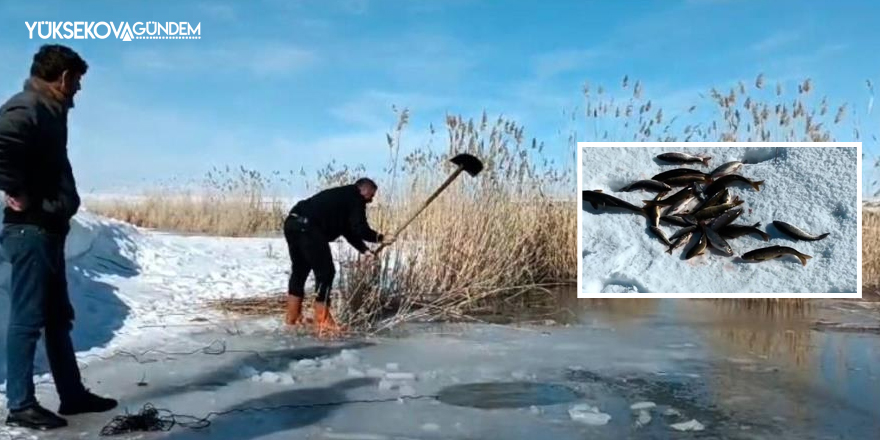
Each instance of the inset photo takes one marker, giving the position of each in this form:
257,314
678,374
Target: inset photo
719,220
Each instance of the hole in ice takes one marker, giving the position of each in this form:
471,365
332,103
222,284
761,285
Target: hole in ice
490,395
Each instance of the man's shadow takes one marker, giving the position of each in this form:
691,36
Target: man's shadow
301,407
274,361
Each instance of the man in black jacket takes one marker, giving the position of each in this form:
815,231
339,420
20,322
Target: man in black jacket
309,228
41,198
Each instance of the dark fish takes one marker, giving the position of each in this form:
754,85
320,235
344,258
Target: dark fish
717,199
678,207
653,214
686,179
726,218
673,199
728,180
715,211
659,234
797,233
736,231
683,158
677,220
682,239
698,248
683,231
647,185
678,172
598,198
716,241
728,168
769,253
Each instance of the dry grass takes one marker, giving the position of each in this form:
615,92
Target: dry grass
754,112
228,202
870,252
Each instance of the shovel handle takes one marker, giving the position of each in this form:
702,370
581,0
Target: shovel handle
424,205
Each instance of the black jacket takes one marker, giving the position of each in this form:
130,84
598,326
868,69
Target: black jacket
33,159
340,211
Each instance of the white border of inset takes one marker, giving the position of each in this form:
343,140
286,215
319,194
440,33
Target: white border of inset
671,146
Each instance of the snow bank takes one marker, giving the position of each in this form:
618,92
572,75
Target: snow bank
813,188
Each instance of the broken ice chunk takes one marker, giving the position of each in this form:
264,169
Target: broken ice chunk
270,377
349,357
588,414
392,367
387,385
644,418
642,405
672,412
354,372
400,376
376,372
691,425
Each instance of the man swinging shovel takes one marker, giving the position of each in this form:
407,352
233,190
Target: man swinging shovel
465,163
315,222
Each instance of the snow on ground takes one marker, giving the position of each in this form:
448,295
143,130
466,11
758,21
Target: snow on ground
812,188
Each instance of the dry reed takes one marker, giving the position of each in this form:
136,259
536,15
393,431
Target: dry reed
870,252
228,202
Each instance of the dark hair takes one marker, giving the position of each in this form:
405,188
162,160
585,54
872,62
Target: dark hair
363,181
53,59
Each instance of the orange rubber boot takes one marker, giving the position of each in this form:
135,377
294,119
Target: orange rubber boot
294,310
325,325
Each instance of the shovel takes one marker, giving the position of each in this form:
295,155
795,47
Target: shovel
466,163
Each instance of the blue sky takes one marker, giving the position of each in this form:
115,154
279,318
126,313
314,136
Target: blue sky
284,85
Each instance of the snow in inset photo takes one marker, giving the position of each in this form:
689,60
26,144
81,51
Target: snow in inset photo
704,219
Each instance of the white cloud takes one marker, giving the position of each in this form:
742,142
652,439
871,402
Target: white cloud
775,41
562,61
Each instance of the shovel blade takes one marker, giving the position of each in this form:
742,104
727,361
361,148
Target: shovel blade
468,163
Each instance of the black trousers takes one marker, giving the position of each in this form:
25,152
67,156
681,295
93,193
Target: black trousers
309,251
